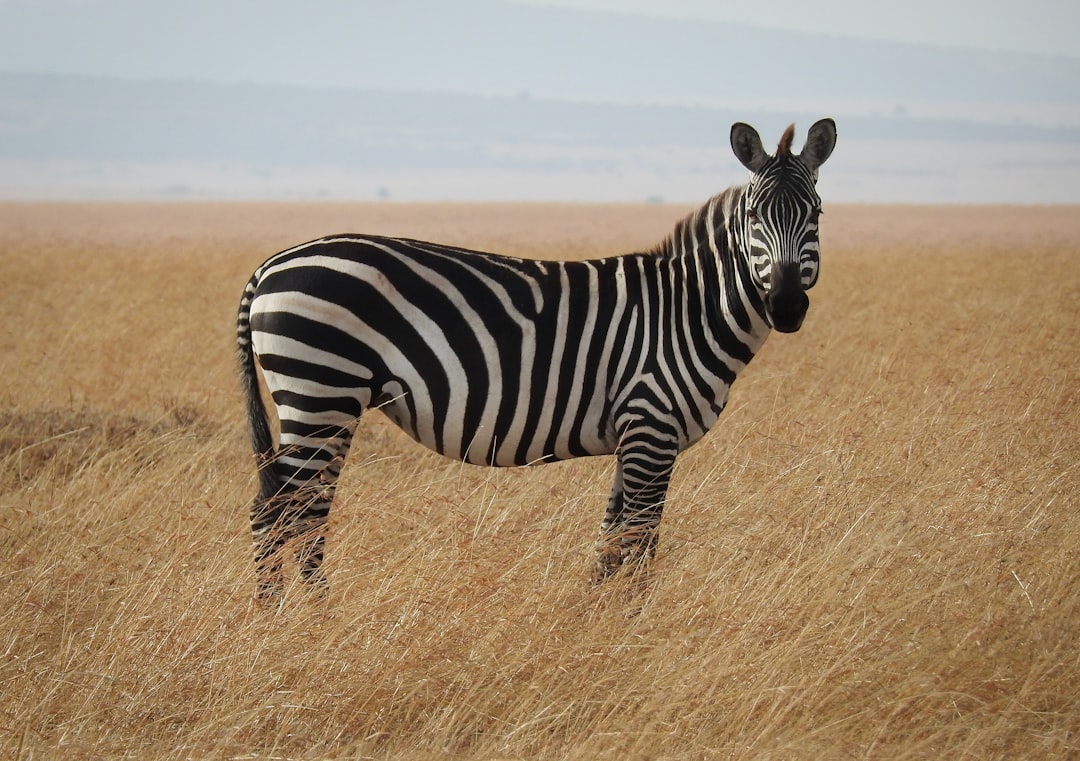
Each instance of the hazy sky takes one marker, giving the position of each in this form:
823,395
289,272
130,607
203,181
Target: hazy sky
1031,26
499,48
83,36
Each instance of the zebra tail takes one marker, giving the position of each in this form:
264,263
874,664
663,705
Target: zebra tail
262,439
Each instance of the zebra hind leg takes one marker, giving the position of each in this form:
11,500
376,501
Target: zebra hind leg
310,529
266,531
285,523
292,519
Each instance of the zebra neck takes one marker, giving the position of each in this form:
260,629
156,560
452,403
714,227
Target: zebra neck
734,311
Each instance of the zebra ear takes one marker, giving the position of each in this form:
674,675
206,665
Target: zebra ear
820,141
746,143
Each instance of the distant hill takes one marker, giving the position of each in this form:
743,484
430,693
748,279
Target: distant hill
46,117
53,125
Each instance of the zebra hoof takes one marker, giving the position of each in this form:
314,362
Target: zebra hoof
609,560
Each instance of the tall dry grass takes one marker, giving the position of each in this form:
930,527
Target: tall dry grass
873,556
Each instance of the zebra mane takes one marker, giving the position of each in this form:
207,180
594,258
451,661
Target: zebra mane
718,208
783,150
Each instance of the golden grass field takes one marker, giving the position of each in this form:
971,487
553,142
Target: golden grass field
873,556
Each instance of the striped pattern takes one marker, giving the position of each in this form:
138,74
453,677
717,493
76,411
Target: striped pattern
494,360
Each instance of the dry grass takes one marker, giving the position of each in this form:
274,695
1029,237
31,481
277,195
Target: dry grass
873,556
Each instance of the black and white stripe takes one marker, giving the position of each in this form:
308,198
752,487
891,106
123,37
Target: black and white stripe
495,360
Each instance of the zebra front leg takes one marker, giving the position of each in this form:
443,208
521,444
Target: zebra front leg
630,531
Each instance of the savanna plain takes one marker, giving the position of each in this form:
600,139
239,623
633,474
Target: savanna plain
874,555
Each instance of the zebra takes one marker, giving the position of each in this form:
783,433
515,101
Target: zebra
500,361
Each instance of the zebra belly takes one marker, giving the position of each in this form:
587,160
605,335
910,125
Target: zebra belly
471,440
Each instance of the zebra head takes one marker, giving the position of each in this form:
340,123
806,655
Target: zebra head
777,222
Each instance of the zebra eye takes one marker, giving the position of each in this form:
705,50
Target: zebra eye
752,216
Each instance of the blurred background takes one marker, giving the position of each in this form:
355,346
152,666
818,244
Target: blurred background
955,101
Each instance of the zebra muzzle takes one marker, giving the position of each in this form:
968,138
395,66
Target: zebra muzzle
786,302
